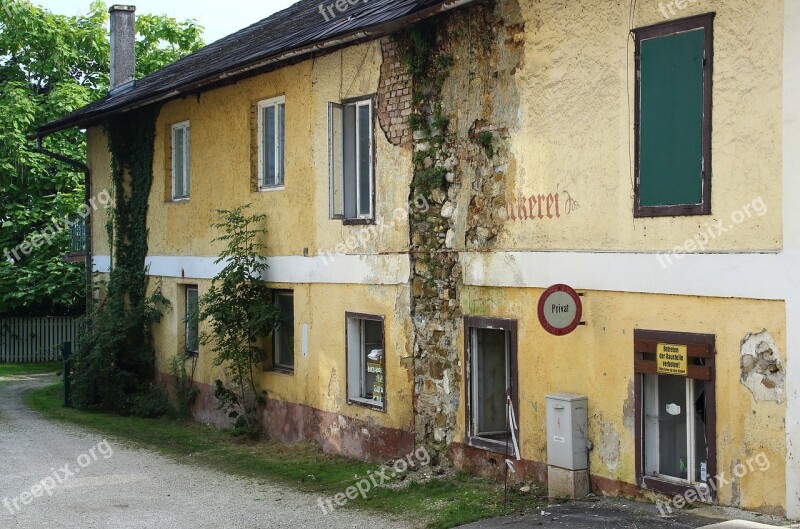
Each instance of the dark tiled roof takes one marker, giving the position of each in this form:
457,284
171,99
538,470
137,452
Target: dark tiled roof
294,32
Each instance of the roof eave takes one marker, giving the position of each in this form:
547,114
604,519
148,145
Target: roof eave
384,28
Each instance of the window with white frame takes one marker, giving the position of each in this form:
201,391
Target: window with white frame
283,337
675,429
272,138
351,155
366,365
180,161
491,372
191,320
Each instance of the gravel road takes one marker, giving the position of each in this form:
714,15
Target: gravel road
84,483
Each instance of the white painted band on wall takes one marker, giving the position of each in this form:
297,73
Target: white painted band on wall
343,269
755,276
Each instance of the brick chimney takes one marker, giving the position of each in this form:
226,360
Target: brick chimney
123,41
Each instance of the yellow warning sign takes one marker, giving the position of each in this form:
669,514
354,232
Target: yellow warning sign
671,359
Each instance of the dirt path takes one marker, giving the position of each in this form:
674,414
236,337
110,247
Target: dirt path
59,476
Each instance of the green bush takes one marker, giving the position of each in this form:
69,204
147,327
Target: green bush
152,402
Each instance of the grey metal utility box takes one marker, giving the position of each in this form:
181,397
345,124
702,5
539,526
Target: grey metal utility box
567,430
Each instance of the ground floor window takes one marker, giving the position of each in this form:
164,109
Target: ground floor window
676,438
366,364
283,337
191,321
491,373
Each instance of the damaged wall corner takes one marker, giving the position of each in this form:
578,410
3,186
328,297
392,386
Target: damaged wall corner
762,370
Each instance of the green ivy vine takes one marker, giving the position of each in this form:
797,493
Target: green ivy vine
116,363
429,71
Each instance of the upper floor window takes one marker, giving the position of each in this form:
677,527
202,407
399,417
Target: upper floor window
673,118
180,161
271,133
351,158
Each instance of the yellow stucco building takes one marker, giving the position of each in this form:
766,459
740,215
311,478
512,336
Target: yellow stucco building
649,158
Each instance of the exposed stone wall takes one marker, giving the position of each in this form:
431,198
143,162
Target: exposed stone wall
481,49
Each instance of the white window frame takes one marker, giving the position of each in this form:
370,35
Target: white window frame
356,363
185,178
275,102
476,368
335,148
651,442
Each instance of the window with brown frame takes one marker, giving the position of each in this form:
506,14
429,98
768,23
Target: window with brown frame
672,122
675,411
490,346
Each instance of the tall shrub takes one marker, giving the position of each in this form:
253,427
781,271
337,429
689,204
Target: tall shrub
239,312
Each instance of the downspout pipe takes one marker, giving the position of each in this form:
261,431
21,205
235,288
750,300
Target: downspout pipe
80,166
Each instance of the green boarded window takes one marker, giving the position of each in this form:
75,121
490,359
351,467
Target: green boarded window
673,118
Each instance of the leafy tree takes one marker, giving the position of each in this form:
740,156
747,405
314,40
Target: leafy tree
238,307
51,65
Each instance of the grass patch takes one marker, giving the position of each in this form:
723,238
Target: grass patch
7,370
440,503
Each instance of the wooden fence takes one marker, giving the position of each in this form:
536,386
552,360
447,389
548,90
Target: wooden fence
36,340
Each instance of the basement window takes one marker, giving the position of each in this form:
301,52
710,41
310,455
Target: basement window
283,337
672,119
351,161
491,347
366,362
180,161
191,319
272,139
675,433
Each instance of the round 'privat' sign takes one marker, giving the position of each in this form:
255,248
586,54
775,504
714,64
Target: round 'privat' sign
560,310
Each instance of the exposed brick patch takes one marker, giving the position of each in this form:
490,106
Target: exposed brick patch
394,95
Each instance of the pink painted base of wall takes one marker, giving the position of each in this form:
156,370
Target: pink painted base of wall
296,423
339,434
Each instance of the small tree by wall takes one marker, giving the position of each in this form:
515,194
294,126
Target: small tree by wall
239,311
